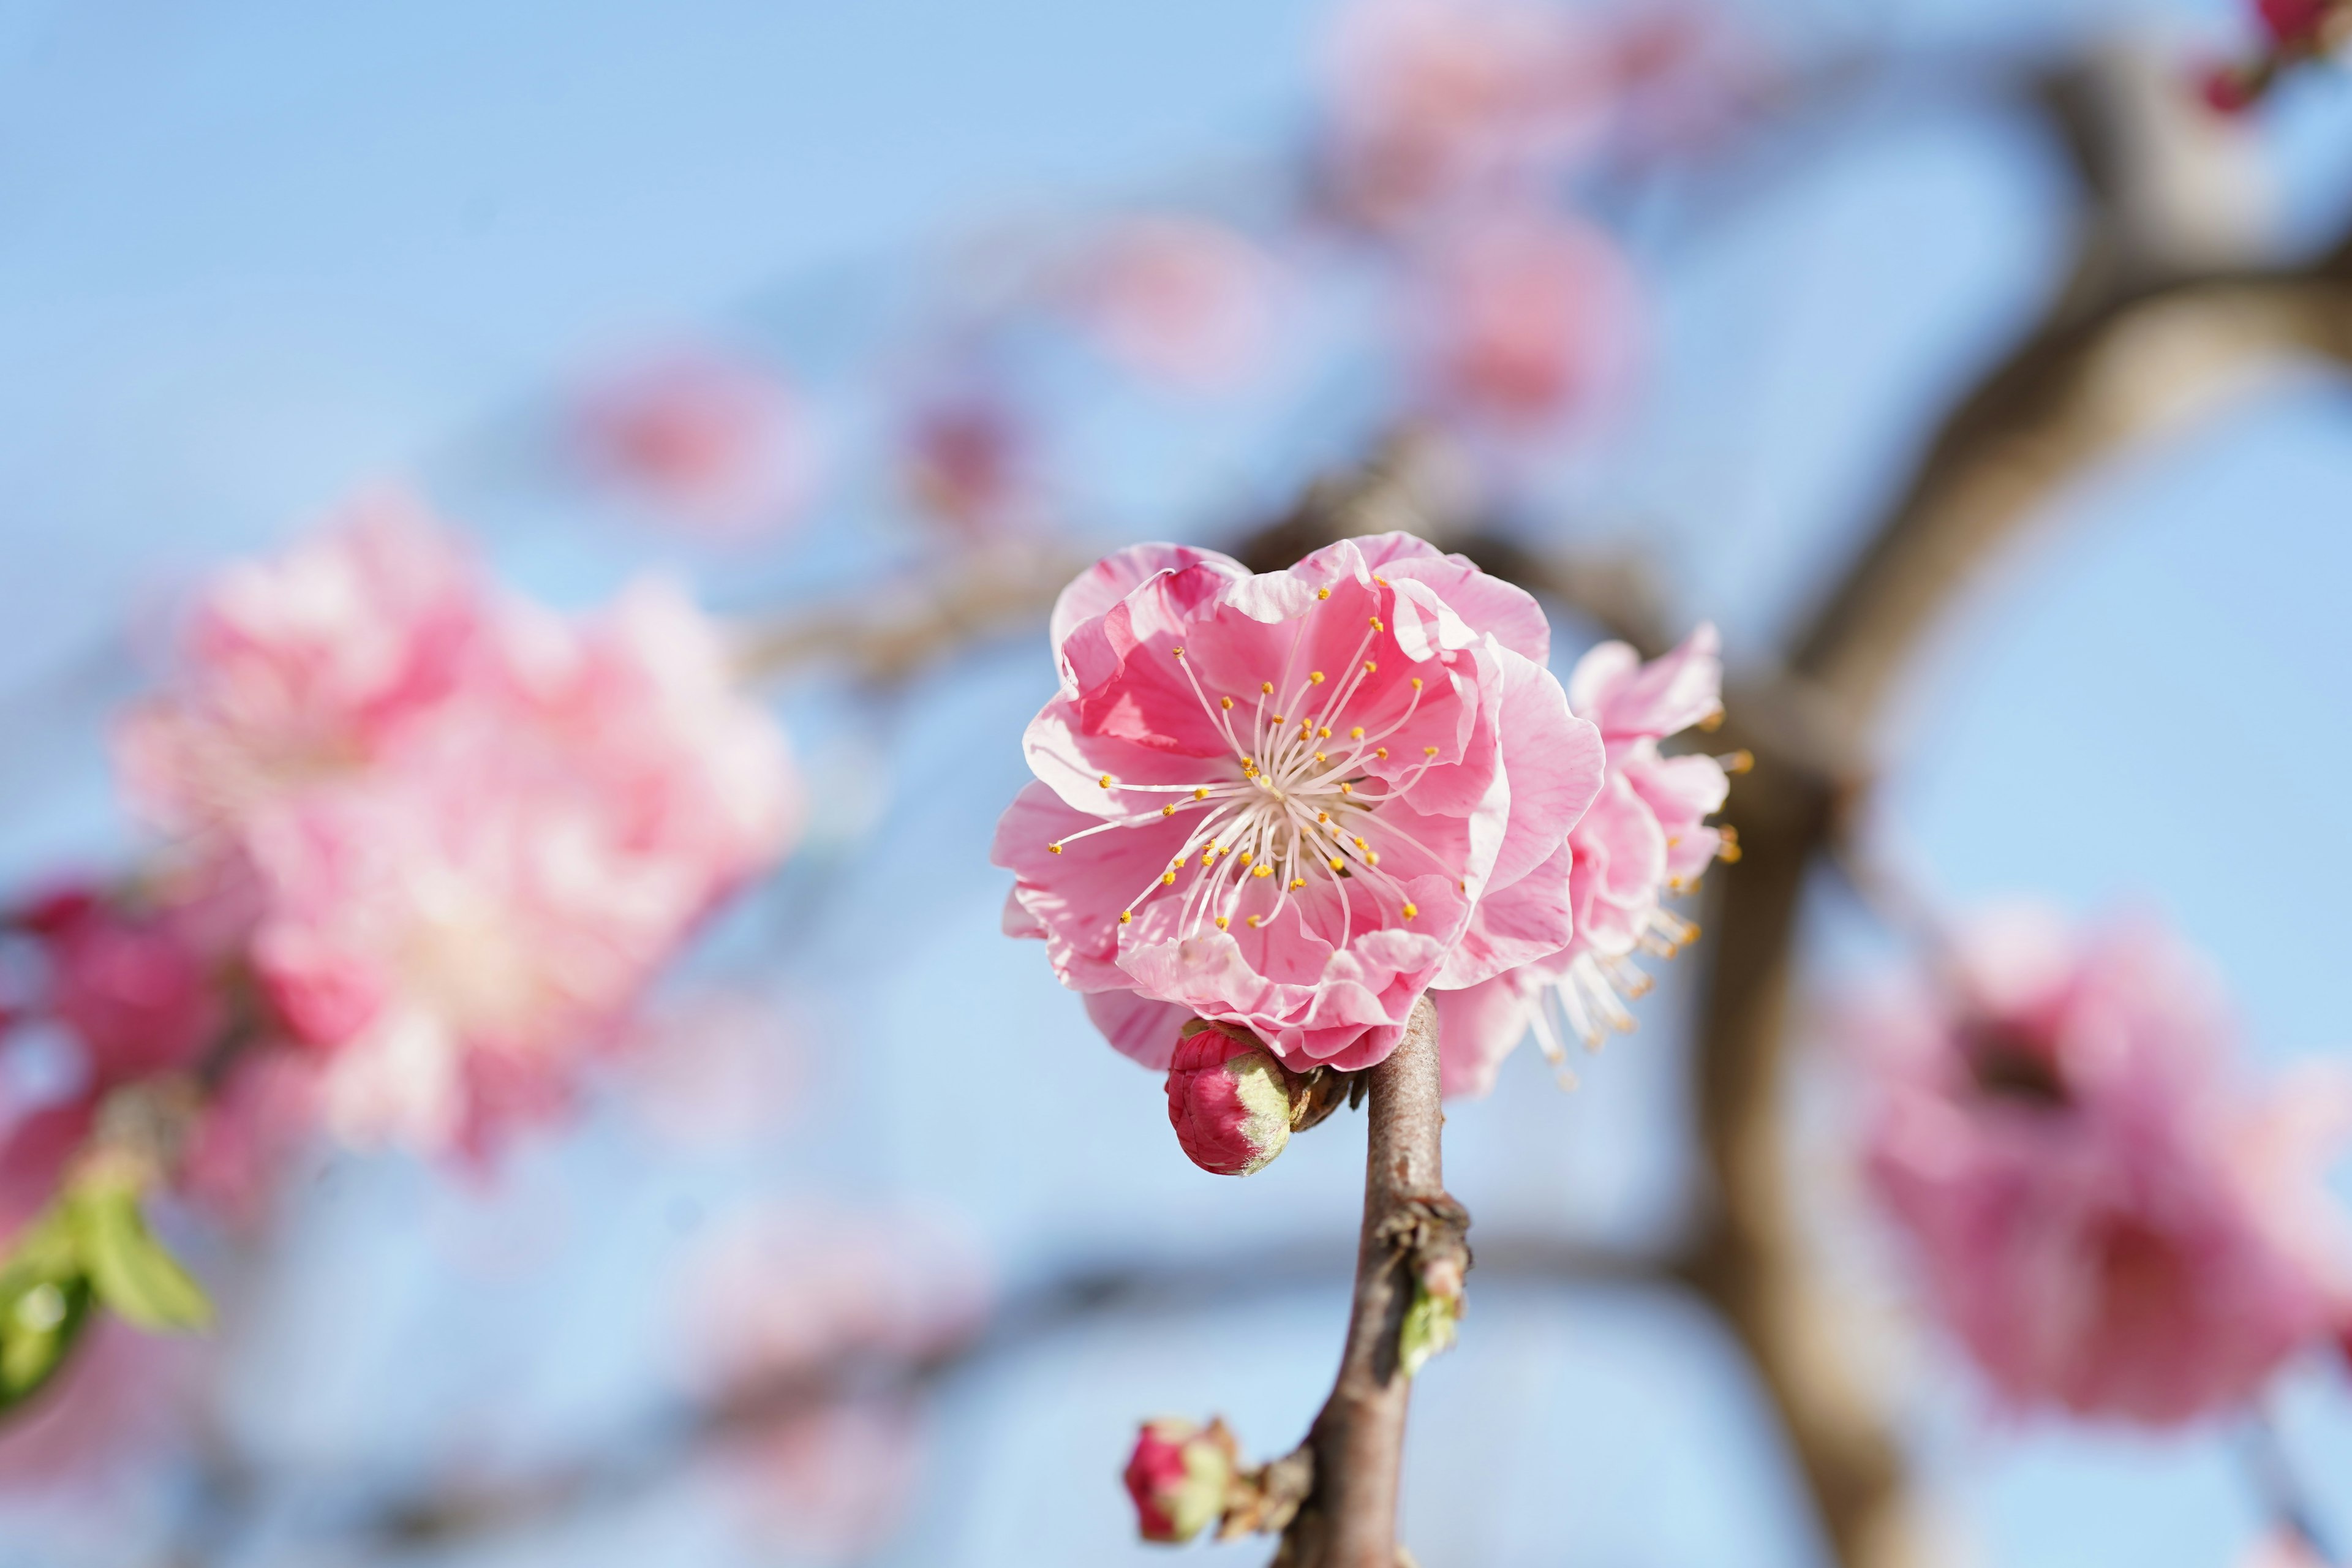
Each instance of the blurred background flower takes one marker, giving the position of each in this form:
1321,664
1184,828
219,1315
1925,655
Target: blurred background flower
749,1197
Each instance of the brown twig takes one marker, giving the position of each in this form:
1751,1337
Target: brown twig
1411,1229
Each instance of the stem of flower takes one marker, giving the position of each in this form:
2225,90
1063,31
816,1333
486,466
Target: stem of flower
1411,1232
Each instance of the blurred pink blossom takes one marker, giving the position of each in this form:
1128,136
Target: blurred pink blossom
478,875
1647,835
1436,101
309,667
969,463
1292,801
1524,318
135,988
1180,299
719,441
2105,1217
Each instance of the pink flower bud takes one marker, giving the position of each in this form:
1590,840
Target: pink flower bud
2294,21
1228,1100
1179,1476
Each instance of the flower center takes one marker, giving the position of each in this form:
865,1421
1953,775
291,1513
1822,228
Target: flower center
1293,813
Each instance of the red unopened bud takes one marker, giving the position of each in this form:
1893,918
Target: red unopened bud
1179,1477
1228,1100
2295,21
2229,89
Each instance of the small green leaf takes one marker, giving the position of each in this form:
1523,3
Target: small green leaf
131,1271
1429,1328
41,1320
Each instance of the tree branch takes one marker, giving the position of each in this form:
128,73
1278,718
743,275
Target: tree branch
1410,1228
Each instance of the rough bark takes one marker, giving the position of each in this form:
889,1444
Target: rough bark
1410,1226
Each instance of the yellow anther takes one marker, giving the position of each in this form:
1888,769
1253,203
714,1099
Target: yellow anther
1180,653
1376,623
1381,581
1713,720
1104,781
1338,864
1208,857
1347,789
1226,703
1125,916
1357,733
1316,676
1740,762
1252,922
1371,856
1371,669
1167,811
1416,683
1322,593
1263,871
1322,817
1280,719
1297,883
1359,844
1052,849
1245,857
1321,758
1325,732
1379,750
1429,750
1167,879
1201,794
1267,687
1729,851
1409,911
1222,922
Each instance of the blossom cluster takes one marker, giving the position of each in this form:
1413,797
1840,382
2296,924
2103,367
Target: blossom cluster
2104,1215
1291,803
424,843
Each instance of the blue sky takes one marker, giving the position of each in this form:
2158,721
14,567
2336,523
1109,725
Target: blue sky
253,255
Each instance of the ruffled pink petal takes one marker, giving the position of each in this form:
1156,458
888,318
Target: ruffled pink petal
1093,591
1611,686
1553,761
1528,920
1077,896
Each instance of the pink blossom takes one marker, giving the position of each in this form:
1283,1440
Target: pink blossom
1645,836
719,441
1524,318
1293,802
475,879
309,667
1228,1100
2107,1220
134,987
1178,299
1437,101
